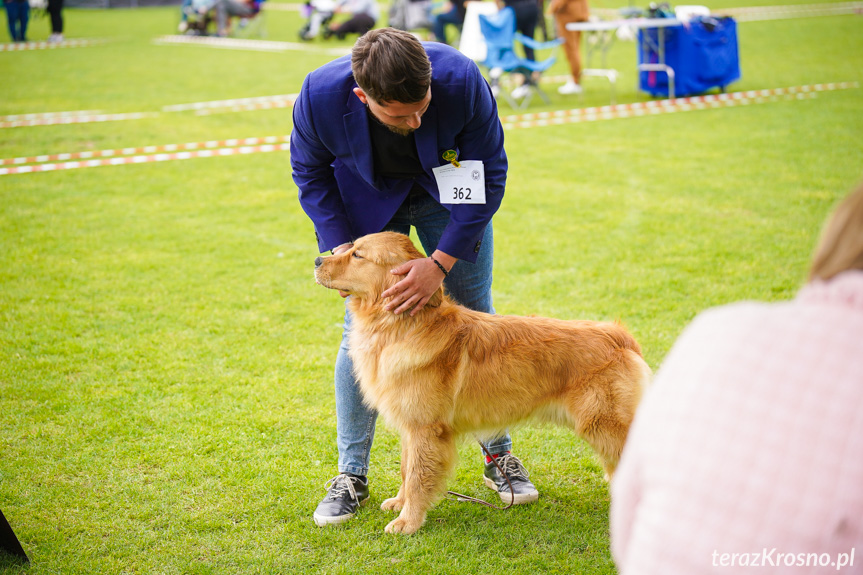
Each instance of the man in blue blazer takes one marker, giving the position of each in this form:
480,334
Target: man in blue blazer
370,131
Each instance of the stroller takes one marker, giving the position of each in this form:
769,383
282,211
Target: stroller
318,14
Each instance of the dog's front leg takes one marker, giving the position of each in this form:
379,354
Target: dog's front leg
428,456
396,503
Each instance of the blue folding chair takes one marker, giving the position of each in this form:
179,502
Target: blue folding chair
500,36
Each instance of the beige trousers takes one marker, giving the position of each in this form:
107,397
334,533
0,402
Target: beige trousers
566,11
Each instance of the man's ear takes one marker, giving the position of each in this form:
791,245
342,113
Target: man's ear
361,95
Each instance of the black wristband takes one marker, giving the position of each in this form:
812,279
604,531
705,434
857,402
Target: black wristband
443,269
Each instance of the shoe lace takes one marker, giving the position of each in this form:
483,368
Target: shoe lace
341,484
512,467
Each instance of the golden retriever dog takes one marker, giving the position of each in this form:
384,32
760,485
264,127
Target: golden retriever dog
449,371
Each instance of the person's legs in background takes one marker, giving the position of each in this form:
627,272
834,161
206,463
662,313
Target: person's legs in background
55,10
17,17
185,7
572,48
12,19
526,18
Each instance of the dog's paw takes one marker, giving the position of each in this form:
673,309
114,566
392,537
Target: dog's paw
393,504
403,526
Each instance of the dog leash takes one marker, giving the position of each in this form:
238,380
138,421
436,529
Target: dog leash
470,499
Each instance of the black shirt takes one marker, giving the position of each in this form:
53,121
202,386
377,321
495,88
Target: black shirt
395,156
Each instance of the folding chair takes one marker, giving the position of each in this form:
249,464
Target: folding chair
500,36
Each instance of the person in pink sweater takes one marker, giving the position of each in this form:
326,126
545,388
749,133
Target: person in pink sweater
747,451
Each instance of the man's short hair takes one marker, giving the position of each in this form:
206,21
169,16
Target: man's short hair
391,65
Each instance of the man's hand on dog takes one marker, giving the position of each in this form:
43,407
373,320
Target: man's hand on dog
423,278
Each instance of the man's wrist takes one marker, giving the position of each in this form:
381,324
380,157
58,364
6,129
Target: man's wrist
443,260
440,266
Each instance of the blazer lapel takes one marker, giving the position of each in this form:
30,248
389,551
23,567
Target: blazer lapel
426,140
359,139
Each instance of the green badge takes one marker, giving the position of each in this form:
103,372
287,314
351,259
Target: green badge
451,156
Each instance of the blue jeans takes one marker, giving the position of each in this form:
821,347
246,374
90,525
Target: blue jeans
17,16
467,283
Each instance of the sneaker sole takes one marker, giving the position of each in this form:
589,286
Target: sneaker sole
520,498
323,520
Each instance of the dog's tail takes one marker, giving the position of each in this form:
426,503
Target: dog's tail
621,337
631,356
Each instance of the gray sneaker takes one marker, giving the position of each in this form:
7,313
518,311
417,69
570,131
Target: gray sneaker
345,494
522,488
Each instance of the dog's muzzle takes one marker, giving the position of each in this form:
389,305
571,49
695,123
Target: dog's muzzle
321,277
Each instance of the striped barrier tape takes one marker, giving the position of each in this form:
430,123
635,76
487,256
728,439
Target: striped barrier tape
45,45
233,143
200,108
756,13
654,107
49,115
216,148
144,159
50,120
232,104
242,44
275,104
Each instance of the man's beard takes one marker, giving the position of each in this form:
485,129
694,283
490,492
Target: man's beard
394,129
399,131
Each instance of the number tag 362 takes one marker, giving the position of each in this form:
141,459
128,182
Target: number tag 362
462,185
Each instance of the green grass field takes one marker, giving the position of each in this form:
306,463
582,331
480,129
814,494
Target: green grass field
166,358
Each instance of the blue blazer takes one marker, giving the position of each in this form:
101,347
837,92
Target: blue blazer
332,161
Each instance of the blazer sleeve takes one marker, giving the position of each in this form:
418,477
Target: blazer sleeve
481,139
312,171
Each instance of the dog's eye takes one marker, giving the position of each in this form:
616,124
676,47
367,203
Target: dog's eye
358,256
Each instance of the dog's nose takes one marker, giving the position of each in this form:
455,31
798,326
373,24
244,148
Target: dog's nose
318,261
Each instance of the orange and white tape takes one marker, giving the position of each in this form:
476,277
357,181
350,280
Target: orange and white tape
667,106
217,148
59,118
271,105
185,154
236,104
49,115
200,108
44,45
245,44
756,13
209,145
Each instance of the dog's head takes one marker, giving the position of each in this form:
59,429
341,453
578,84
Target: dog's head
363,271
